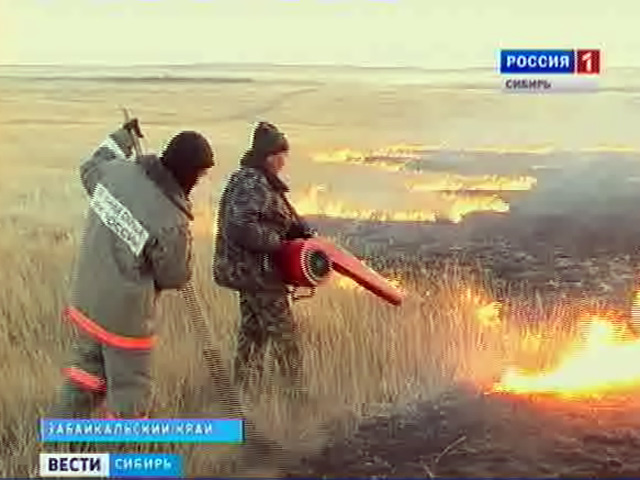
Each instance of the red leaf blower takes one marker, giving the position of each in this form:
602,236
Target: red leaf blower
309,263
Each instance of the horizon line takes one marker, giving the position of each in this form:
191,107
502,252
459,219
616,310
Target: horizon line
244,64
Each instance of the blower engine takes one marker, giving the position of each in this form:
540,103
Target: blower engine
309,263
304,264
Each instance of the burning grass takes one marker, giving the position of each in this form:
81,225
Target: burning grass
445,206
392,159
491,183
360,355
437,196
603,359
316,201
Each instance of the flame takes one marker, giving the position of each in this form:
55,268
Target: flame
489,315
310,203
406,152
635,312
487,182
392,158
345,283
463,205
451,206
395,157
605,359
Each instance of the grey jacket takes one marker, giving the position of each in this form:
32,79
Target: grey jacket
137,239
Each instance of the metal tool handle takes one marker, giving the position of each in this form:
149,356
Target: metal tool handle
136,141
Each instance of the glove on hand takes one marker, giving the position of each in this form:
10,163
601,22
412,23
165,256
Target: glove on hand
133,127
300,230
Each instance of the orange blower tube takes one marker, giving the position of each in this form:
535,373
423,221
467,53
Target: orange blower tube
308,263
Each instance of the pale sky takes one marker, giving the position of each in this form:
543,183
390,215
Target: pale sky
421,33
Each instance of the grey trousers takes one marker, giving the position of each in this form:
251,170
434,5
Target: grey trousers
99,374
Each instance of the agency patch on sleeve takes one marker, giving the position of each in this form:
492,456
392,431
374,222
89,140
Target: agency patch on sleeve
119,219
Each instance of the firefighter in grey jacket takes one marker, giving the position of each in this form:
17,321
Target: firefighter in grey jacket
254,219
137,243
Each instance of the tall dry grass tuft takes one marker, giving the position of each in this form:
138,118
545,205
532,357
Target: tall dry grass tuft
361,356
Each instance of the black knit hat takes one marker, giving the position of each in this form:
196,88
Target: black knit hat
268,140
186,156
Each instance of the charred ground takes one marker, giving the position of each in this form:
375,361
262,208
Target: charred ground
466,433
575,235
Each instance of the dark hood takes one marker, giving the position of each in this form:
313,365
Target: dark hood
166,182
186,156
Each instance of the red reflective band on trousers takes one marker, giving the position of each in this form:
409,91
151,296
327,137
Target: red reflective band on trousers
85,380
105,337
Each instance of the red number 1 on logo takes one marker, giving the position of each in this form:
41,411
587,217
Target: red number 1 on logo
588,62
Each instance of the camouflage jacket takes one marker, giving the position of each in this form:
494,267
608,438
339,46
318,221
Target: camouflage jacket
253,221
137,242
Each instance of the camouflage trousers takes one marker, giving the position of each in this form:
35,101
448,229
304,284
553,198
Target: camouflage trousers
102,376
267,324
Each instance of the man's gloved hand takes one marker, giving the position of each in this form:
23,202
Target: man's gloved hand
310,233
133,127
300,230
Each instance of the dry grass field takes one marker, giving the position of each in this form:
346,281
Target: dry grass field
364,360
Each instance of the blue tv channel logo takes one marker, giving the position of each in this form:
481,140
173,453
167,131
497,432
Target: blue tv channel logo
537,61
568,62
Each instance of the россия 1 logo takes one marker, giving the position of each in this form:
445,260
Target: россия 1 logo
550,61
550,69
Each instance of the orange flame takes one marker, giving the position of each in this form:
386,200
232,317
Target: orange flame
487,313
345,283
463,205
394,157
391,158
311,204
605,359
481,183
451,206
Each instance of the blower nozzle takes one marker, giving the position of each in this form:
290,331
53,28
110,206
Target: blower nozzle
309,263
